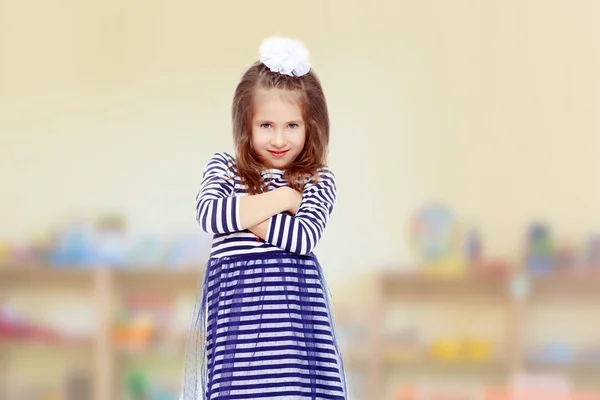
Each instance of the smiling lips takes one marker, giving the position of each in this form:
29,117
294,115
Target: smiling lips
278,154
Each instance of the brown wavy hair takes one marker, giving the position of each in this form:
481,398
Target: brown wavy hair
314,112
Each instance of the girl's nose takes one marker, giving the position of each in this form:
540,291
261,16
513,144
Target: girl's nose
278,139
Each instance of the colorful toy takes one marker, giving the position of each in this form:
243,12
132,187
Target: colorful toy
433,231
477,350
140,386
4,253
147,250
110,243
461,350
137,384
540,249
188,250
446,349
474,247
557,353
73,246
434,235
593,251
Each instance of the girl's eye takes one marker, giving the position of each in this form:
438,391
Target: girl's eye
265,126
293,126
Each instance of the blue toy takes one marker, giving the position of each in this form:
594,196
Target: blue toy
540,249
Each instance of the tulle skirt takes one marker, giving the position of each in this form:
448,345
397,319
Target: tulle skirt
262,329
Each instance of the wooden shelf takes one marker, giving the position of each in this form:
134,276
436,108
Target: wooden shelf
167,344
561,284
355,357
62,345
152,350
429,364
104,285
157,278
374,355
407,287
399,284
576,368
412,287
79,277
417,357
36,275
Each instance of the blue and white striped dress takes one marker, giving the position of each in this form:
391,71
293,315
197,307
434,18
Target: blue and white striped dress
263,329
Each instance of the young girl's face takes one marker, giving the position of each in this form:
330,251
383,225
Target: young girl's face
278,129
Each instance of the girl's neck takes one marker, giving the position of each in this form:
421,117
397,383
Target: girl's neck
272,169
268,168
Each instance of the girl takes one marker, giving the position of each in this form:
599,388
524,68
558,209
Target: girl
263,329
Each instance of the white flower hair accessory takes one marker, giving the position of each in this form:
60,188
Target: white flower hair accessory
285,56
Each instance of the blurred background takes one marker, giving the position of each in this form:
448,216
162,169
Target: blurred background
464,253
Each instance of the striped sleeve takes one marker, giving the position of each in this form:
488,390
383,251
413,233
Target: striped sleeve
301,233
217,211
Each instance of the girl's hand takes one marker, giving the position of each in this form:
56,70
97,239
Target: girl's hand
294,199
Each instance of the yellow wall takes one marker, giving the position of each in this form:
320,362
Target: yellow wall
490,106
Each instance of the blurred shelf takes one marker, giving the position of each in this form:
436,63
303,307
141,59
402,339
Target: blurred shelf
565,283
371,353
158,278
161,350
169,344
413,357
398,284
413,287
430,391
126,278
394,354
104,286
569,368
59,345
355,357
11,275
452,366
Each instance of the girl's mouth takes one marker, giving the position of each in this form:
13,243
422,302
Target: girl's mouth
278,154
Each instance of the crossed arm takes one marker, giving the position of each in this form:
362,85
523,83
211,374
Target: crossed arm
265,214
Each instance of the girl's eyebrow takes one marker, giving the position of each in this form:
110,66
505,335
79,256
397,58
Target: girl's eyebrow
266,121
